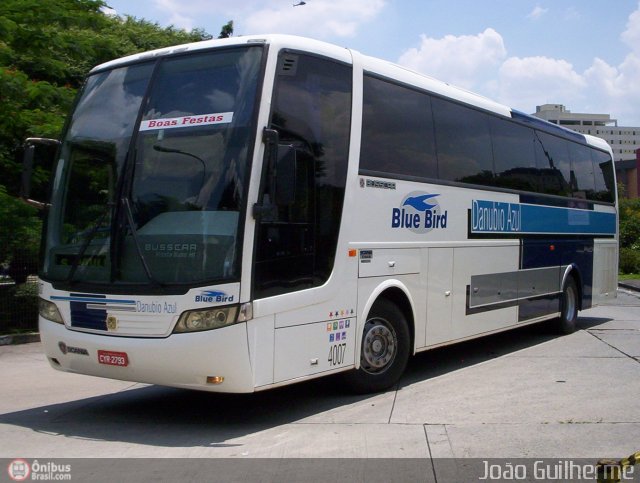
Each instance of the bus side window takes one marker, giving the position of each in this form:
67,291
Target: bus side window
582,179
553,153
603,172
397,130
464,146
514,156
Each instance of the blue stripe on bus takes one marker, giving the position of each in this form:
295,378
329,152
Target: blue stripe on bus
520,218
547,126
566,221
93,299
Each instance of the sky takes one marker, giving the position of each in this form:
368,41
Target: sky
584,54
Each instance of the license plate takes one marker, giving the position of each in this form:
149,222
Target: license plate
112,358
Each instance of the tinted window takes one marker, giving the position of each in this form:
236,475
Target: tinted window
88,173
191,163
312,114
582,181
514,156
464,143
552,154
397,130
603,173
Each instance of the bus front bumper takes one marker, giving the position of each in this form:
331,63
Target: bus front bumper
214,360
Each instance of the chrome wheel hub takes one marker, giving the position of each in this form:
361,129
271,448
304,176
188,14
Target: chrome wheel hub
379,346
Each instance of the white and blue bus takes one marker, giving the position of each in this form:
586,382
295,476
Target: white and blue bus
239,214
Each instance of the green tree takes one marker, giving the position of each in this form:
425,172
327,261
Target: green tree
629,219
47,47
629,210
227,30
27,108
20,243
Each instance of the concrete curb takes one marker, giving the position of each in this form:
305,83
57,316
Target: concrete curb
19,338
630,285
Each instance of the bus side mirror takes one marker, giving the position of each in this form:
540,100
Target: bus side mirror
285,186
280,180
38,152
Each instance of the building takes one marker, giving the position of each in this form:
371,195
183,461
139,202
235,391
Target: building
627,175
624,141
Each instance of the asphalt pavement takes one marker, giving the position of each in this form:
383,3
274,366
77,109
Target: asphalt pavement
522,394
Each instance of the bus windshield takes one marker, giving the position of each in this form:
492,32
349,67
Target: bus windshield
150,182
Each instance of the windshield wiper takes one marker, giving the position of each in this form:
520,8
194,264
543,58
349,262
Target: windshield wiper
136,242
85,245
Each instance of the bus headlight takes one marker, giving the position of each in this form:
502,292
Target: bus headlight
49,310
206,319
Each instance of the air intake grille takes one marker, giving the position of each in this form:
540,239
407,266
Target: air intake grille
288,65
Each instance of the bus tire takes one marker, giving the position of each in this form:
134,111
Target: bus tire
384,351
568,307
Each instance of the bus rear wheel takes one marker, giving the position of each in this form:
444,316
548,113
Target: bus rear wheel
384,351
568,307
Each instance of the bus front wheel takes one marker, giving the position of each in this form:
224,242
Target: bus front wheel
384,351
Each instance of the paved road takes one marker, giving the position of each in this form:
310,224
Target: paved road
525,393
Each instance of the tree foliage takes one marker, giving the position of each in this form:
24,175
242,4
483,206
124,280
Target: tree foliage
227,30
629,218
630,223
47,47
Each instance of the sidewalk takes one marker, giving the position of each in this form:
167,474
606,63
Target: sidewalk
19,338
630,284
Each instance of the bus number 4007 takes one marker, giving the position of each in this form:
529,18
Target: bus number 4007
336,354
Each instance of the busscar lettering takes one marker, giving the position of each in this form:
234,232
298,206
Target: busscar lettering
170,247
172,250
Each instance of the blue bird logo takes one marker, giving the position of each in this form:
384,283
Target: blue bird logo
211,293
420,202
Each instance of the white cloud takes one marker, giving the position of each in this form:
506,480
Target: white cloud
477,62
181,14
537,12
617,87
318,18
480,63
459,60
631,36
527,82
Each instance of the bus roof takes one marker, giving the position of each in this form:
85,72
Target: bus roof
369,64
286,41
